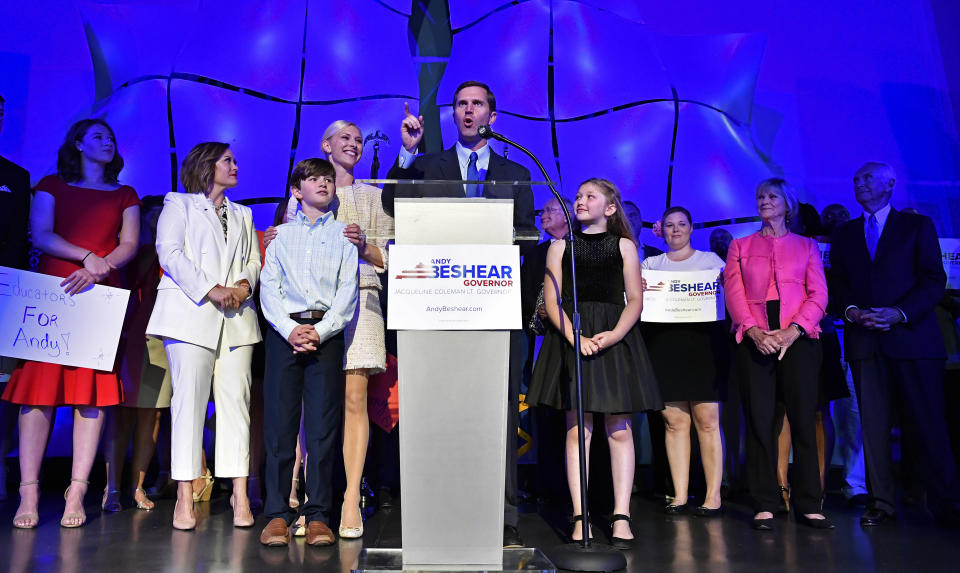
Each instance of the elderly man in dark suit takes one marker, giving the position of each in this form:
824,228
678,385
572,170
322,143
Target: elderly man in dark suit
471,159
888,276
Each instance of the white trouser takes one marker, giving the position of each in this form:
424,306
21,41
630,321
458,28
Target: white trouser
192,369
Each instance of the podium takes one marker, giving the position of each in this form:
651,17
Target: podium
453,381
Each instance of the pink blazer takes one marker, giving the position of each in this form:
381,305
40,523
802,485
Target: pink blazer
798,273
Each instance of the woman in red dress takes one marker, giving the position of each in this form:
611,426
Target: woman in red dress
87,226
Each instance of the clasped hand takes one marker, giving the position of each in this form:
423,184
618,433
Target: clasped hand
227,298
597,342
876,318
95,269
772,341
303,339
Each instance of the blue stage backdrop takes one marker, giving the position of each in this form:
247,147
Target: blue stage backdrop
688,103
685,103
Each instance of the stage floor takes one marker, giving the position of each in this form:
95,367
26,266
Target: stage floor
144,541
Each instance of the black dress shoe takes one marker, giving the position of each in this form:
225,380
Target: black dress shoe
675,509
858,500
511,537
621,543
815,523
702,511
762,524
875,516
384,498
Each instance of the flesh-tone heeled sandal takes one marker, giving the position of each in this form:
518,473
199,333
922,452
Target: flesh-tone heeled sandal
146,503
241,520
183,524
67,518
294,501
204,494
31,519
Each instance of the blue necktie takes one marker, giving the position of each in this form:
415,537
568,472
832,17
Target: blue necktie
873,234
473,189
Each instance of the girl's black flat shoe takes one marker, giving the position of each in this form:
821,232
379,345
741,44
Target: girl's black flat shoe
573,521
702,511
675,509
621,543
815,523
762,524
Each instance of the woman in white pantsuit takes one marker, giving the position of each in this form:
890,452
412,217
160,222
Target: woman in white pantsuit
209,252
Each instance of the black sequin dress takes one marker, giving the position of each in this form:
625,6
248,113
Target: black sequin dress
619,379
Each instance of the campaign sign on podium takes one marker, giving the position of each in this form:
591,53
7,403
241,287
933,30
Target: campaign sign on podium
682,296
39,321
454,287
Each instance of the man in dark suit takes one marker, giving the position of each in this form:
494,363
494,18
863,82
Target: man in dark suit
470,158
14,212
888,277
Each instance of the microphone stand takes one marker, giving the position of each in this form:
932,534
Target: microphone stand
582,555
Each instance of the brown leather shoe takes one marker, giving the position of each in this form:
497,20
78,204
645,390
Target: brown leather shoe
319,534
276,533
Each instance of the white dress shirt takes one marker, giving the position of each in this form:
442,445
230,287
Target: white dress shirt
463,156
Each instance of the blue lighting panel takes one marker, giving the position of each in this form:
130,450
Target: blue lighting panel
464,13
259,132
363,52
717,168
252,45
509,51
370,115
602,60
629,147
138,116
139,39
720,70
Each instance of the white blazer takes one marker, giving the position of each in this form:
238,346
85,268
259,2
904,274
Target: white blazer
195,259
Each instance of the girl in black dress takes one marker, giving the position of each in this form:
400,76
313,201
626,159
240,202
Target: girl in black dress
617,377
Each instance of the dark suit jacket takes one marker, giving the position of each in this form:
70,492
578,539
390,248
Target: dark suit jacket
14,214
445,165
906,272
649,251
531,279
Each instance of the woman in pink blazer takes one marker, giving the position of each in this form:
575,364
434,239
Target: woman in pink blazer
776,293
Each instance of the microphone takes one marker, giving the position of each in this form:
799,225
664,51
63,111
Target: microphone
486,132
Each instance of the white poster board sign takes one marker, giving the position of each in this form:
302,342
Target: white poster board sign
38,321
682,296
951,262
454,287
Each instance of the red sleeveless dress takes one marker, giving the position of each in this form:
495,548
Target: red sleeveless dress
88,218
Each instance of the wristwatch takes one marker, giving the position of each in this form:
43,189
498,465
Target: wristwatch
800,329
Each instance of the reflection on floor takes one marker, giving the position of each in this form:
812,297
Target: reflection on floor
135,540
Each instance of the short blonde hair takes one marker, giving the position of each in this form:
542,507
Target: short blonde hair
786,191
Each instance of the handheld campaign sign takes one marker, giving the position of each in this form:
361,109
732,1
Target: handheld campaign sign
682,296
454,287
38,321
950,248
